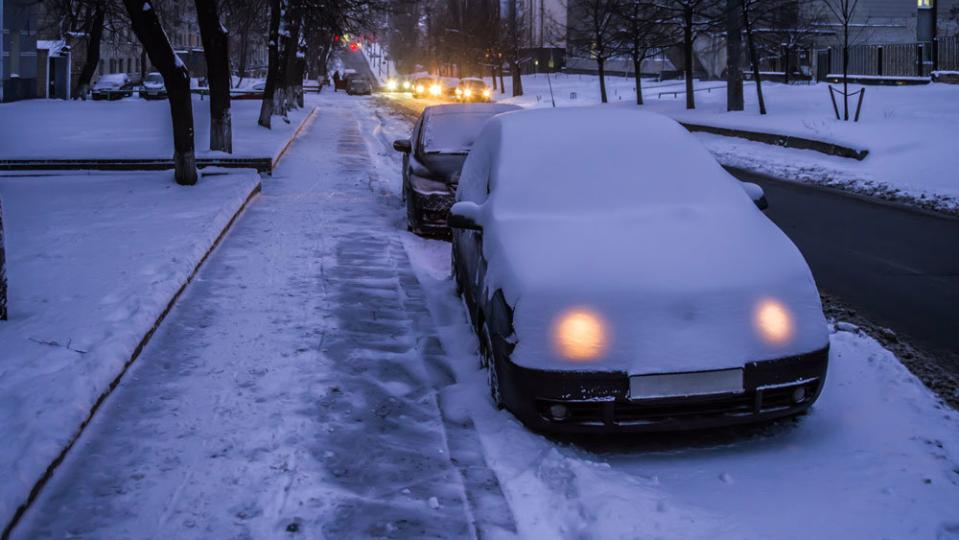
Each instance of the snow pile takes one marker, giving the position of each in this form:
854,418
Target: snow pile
624,213
908,130
93,260
130,128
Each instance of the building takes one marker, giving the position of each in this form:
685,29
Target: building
18,50
544,26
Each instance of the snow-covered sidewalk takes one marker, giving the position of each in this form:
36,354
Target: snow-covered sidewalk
909,131
92,260
131,128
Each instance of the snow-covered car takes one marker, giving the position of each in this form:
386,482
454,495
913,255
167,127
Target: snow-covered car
112,86
357,85
620,279
153,87
471,89
432,158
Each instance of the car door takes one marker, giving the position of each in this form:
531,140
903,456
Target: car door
468,244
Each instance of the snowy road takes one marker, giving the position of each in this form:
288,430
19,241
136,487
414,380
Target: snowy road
319,380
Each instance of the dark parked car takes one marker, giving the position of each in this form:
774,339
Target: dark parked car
112,86
153,87
433,156
619,279
358,85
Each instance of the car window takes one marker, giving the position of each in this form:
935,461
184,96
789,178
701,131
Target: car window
452,133
474,181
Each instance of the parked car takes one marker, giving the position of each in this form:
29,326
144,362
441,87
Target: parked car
153,87
620,279
358,85
432,158
112,86
427,87
471,89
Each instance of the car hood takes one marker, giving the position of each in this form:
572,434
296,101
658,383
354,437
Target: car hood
677,288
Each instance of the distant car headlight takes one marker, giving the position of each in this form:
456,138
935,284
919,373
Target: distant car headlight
420,89
486,93
406,85
773,321
436,90
392,85
458,91
580,335
468,92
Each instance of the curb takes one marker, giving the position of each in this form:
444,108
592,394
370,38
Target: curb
307,120
787,141
144,341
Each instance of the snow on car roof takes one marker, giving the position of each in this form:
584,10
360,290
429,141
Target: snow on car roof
113,77
625,214
452,128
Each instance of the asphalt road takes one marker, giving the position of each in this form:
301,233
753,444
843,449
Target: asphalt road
897,266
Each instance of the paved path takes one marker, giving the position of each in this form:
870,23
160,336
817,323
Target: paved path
291,390
898,266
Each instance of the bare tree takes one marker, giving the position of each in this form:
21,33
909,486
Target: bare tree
734,52
843,11
269,90
595,35
748,7
216,43
640,33
176,78
693,17
513,49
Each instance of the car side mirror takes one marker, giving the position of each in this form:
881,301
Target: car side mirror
465,215
403,145
757,194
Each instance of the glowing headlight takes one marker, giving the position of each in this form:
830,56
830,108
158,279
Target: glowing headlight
392,85
773,321
436,90
420,89
486,93
459,91
467,92
406,85
580,335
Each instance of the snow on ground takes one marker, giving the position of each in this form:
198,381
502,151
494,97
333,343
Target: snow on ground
877,456
908,130
92,261
130,128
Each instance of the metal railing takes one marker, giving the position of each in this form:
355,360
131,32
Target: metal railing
916,59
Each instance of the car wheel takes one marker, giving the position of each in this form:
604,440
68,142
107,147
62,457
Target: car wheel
492,374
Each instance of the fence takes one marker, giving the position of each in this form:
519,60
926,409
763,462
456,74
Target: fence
916,59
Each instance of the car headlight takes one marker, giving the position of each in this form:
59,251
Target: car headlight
459,91
486,93
391,85
580,335
468,92
436,90
420,89
773,321
406,85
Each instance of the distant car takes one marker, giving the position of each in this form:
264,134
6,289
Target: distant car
432,158
470,89
399,84
253,91
112,86
358,85
153,87
428,87
619,279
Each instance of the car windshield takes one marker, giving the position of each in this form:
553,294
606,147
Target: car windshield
154,78
453,133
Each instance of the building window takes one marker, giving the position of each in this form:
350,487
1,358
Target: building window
925,4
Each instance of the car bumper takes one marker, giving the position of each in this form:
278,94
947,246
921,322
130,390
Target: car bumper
598,402
432,211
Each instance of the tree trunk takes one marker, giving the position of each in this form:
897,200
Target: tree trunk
216,43
786,65
601,64
514,50
176,78
688,56
291,72
266,106
753,57
637,66
493,69
517,77
93,53
244,53
3,272
734,69
502,84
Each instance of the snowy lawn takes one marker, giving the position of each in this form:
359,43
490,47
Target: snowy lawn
876,457
92,261
130,128
909,131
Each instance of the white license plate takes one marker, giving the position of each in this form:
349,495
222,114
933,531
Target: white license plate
698,383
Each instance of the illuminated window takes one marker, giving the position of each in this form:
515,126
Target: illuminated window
925,4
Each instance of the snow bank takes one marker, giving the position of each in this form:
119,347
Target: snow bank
93,260
625,214
130,128
908,130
